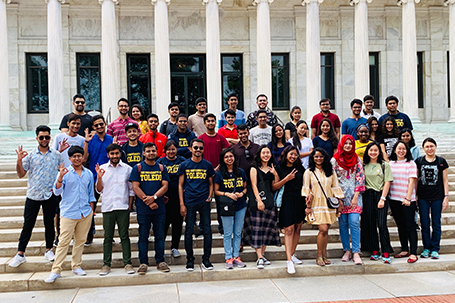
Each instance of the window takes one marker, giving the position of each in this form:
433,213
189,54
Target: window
89,80
280,81
420,78
139,81
374,77
327,78
37,83
232,78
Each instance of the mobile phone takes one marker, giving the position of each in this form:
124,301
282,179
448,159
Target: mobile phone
311,217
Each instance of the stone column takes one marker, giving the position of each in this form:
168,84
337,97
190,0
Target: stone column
110,84
162,60
313,58
362,64
4,81
264,49
213,56
55,62
409,52
451,4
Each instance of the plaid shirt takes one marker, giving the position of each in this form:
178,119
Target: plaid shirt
117,129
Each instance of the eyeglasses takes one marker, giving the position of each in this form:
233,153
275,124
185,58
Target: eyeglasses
262,117
41,138
98,125
80,102
198,147
123,106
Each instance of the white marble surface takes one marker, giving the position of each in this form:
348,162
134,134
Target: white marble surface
362,67
264,58
452,62
4,81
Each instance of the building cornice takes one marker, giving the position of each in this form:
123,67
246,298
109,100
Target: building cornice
256,2
354,2
166,1
401,2
309,1
204,2
114,1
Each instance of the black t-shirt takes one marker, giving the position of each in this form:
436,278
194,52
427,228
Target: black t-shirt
227,185
86,122
172,169
132,155
388,141
294,184
430,183
291,127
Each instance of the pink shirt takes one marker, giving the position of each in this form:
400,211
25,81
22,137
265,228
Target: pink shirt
401,172
117,129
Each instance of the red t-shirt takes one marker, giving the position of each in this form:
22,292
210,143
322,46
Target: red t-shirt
227,133
318,118
213,147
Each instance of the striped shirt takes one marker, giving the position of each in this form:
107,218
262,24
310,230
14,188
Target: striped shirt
117,129
401,172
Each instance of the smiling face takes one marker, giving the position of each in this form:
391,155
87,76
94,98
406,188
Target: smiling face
262,102
123,107
136,113
348,145
356,109
325,127
43,139
392,106
76,159
296,114
132,133
153,123
150,153
99,126
229,158
265,155
74,125
174,111
230,119
363,134
279,132
201,107
171,152
233,102
262,119
114,156
429,148
292,156
243,135
401,151
368,105
182,123
210,123
197,149
374,126
406,137
79,104
373,152
389,126
318,159
302,130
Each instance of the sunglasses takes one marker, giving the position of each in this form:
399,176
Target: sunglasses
198,147
79,102
98,125
247,153
41,138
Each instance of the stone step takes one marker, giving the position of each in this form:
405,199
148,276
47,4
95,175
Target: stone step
7,183
18,200
13,191
9,174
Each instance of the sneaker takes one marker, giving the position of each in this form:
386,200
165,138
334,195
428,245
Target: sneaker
129,269
434,255
291,267
229,264
163,267
150,239
79,271
374,257
88,243
189,265
104,270
266,262
207,265
49,255
238,262
56,241
142,269
386,260
17,260
175,253
51,278
356,259
295,259
425,253
260,263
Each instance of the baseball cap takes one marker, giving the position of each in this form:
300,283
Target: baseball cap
131,124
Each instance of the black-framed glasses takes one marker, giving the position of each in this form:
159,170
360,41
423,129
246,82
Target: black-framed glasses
198,147
41,138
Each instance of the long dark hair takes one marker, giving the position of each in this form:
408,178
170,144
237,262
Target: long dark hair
291,114
139,107
284,157
296,138
223,167
332,137
326,166
366,157
257,159
370,126
412,142
275,140
395,131
394,156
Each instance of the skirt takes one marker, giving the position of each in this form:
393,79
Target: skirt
261,229
292,208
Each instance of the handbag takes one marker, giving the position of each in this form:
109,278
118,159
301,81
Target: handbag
226,207
264,192
332,203
279,197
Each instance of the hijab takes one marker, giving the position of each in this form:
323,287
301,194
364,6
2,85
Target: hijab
347,160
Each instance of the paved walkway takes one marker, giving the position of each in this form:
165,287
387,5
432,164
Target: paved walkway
386,288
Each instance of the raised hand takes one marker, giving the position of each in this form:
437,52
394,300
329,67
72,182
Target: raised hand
99,171
63,171
89,135
115,140
63,145
272,169
21,154
291,175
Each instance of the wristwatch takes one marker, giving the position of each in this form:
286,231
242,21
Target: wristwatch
155,197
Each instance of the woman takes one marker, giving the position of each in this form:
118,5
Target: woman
327,138
292,207
403,200
408,138
261,227
378,177
303,144
290,127
318,213
433,193
278,142
230,181
389,136
137,114
172,162
363,133
349,170
373,125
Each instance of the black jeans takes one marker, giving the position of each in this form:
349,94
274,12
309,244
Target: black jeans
31,211
204,214
173,217
91,231
404,219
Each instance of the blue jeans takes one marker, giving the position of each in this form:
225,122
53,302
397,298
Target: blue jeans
233,225
430,242
352,222
145,222
204,214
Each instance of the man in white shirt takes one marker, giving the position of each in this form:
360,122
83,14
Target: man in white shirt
367,112
261,134
113,183
63,141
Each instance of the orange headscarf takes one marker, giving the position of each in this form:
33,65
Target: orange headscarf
346,160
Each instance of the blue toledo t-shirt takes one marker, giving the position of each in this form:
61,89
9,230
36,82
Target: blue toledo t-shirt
227,185
132,155
150,182
172,169
196,186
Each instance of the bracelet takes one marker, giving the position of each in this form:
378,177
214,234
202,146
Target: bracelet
224,194
407,199
60,181
446,196
383,198
87,141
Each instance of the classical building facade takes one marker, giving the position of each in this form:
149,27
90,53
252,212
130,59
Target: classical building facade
157,51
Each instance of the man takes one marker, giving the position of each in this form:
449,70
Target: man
196,121
245,150
150,183
195,194
113,183
368,103
182,136
132,150
116,128
324,105
232,102
403,121
95,146
261,102
213,143
261,134
42,166
153,136
229,131
86,119
170,124
75,185
349,126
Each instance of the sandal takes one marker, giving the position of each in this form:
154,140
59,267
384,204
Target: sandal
326,262
401,255
320,261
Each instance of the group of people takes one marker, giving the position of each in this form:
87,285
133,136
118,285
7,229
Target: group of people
263,177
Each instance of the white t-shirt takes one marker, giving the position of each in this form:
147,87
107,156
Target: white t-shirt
261,136
306,145
78,141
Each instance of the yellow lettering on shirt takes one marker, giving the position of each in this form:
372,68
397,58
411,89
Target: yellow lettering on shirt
183,142
196,174
173,169
229,183
399,122
150,176
133,157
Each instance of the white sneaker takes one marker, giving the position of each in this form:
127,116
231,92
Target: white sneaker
79,271
51,278
295,259
17,260
49,255
175,252
291,268
150,239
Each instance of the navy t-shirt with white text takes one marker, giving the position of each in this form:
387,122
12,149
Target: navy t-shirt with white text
196,186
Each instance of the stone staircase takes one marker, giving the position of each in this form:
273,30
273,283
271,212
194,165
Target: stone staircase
30,275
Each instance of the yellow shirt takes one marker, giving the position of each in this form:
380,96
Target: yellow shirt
360,148
143,127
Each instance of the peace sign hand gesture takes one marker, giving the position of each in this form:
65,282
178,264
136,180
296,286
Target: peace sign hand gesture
272,170
21,154
291,175
99,171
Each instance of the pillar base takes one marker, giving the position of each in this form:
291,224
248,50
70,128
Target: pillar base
54,127
5,127
415,120
452,119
